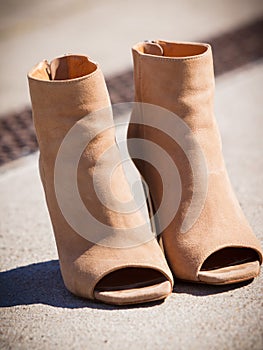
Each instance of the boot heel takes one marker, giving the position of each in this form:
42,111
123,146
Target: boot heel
150,206
151,210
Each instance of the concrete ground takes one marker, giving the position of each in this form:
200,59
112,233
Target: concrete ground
37,311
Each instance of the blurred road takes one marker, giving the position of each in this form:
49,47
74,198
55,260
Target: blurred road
33,30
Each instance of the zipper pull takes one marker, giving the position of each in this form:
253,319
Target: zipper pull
151,47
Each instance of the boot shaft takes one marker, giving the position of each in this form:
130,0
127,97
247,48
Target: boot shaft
62,93
180,78
80,164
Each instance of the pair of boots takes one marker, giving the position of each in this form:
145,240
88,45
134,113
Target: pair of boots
106,248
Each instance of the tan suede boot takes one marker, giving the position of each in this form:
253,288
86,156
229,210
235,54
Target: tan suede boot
219,247
105,253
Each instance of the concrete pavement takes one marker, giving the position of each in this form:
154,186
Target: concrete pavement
39,313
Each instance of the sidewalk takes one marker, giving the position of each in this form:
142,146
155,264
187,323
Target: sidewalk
37,311
40,314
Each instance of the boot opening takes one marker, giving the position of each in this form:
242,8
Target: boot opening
182,50
161,48
63,68
130,277
71,67
229,257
